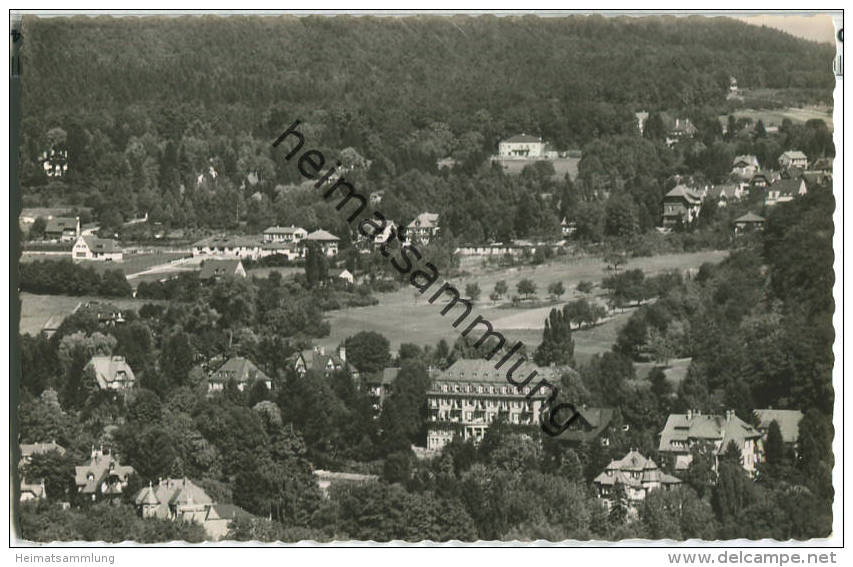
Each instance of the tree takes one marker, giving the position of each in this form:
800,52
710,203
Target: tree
368,351
176,359
614,261
36,231
774,448
584,286
57,472
501,288
556,290
619,504
557,346
472,291
526,287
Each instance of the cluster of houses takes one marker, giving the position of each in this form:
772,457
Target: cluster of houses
289,241
683,204
103,477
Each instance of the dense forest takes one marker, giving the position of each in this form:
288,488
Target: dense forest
175,116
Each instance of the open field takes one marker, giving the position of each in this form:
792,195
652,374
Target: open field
774,117
404,316
132,264
37,309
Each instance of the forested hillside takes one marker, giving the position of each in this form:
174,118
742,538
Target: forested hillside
144,106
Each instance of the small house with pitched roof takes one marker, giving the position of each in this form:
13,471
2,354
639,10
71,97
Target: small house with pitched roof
750,222
112,372
100,249
239,369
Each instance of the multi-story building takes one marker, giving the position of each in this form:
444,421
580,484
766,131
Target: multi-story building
423,228
637,474
522,146
284,234
467,397
681,205
102,476
685,430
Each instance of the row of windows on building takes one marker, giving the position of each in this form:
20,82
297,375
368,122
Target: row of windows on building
481,389
485,417
480,404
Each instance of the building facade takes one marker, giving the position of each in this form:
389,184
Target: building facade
680,205
637,474
685,430
522,146
467,397
101,249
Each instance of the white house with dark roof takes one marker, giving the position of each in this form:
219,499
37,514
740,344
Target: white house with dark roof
92,248
233,247
744,167
423,228
284,234
793,158
685,430
637,474
522,146
112,372
785,190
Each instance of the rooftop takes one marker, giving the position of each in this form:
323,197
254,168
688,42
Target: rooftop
788,420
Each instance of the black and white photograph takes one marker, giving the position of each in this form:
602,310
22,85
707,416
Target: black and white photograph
422,277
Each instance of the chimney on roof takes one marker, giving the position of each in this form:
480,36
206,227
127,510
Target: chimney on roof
342,352
690,414
729,414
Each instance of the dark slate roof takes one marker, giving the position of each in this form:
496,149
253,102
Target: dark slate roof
238,368
102,245
60,224
592,422
749,217
218,268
